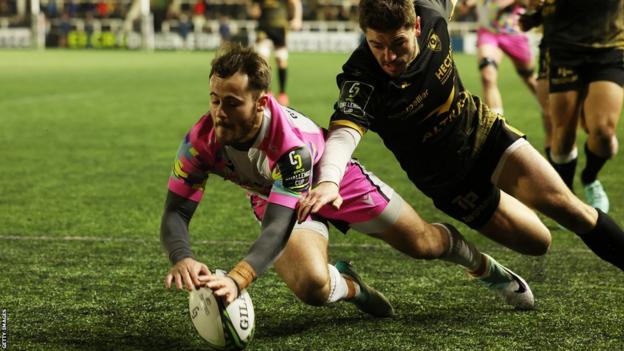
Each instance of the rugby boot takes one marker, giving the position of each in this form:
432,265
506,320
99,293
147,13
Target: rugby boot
510,286
596,196
368,300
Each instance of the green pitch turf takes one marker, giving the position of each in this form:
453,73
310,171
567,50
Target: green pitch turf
87,140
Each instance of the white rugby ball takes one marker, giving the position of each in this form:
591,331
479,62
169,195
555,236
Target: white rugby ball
224,328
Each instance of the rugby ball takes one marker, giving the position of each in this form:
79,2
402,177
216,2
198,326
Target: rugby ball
225,328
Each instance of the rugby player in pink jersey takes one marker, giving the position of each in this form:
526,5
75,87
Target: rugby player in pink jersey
500,34
271,150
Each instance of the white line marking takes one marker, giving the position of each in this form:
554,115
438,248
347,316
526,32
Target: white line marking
145,241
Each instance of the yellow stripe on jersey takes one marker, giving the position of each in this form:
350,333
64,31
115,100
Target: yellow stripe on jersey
193,151
347,123
513,129
444,107
178,170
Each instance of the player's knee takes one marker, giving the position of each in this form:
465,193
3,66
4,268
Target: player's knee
488,68
487,62
488,78
539,246
525,73
263,49
605,137
314,290
281,54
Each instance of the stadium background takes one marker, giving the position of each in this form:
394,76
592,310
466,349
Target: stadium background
87,139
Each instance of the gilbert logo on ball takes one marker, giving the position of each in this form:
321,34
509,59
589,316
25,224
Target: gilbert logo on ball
223,327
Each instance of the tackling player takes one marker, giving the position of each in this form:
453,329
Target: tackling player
402,83
271,150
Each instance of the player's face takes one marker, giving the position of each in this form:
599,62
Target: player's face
235,110
395,50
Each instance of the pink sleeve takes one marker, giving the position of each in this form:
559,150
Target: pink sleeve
188,176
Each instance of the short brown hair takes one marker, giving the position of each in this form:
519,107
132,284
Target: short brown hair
386,15
234,58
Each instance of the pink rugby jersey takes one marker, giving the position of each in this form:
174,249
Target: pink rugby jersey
501,16
282,131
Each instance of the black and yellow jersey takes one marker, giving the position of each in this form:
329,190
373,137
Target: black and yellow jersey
584,24
274,13
425,116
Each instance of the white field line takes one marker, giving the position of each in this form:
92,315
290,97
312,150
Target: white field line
146,241
381,245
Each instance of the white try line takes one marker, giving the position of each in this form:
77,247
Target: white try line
146,241
381,245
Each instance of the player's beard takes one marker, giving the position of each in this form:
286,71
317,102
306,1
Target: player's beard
228,133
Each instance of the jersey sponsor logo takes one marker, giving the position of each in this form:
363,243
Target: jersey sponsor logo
443,73
564,75
454,112
416,105
434,42
354,96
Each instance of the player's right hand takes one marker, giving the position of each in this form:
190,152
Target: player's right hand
186,273
322,194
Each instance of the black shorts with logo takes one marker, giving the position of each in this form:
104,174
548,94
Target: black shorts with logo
574,69
275,34
474,200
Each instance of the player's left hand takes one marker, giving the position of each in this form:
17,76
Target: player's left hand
222,286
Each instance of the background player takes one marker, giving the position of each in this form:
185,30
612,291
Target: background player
500,34
274,19
250,139
402,83
586,50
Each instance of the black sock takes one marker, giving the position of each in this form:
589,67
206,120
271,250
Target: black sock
566,171
606,240
281,75
593,166
547,151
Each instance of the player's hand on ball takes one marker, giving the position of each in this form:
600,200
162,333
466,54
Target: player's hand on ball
222,286
186,274
322,194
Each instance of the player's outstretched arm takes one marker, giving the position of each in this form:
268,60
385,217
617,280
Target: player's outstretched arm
339,146
174,237
277,225
322,194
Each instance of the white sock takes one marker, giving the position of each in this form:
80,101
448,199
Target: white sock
338,288
461,251
563,159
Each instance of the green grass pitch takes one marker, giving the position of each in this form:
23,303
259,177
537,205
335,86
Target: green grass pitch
87,140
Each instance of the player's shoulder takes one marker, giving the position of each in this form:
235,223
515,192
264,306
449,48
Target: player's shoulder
434,10
201,136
